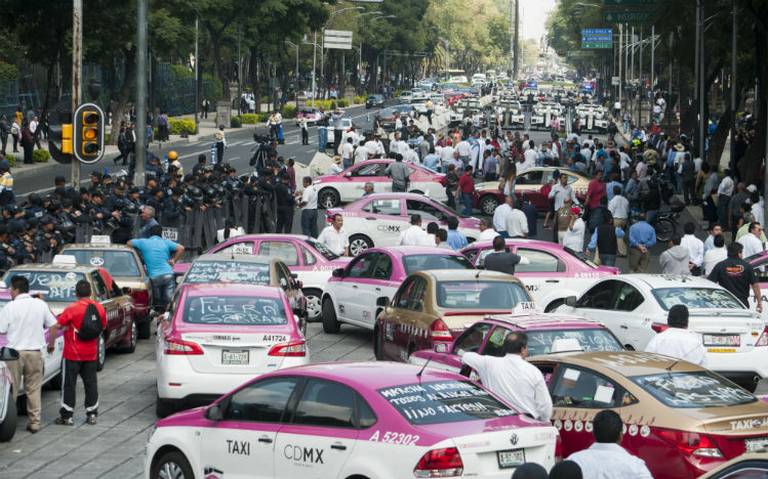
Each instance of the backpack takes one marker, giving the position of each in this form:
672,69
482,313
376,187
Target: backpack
91,326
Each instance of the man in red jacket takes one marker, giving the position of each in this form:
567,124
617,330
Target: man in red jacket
80,357
467,189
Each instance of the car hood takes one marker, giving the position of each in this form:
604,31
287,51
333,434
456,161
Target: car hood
181,268
469,223
327,179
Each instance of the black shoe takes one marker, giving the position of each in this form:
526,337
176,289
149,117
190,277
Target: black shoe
64,421
91,419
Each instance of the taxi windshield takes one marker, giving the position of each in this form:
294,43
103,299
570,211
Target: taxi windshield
117,263
322,249
590,340
227,272
234,310
422,262
696,298
56,286
693,389
480,294
442,402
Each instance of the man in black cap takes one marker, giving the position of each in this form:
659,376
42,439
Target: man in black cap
677,341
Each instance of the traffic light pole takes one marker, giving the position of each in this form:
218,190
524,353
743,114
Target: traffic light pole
77,63
141,91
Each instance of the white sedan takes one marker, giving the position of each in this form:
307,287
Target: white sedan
635,307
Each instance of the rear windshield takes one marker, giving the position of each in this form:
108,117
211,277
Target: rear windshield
227,272
117,263
693,389
696,298
480,294
443,402
56,286
589,340
423,262
322,249
234,310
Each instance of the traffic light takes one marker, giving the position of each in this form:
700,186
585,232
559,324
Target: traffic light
88,133
66,138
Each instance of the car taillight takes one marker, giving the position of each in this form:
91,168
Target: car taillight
140,296
439,331
558,448
175,346
692,443
293,349
659,327
763,339
445,462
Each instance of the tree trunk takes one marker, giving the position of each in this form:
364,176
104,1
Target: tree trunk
120,102
750,165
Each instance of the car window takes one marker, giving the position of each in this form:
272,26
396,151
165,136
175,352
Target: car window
383,207
427,211
309,258
629,298
589,340
383,267
100,289
421,262
471,254
118,263
325,403
539,262
480,294
375,169
283,276
234,310
583,388
411,295
600,296
243,247
693,389
696,298
745,470
472,338
362,267
55,286
495,344
529,178
283,250
263,401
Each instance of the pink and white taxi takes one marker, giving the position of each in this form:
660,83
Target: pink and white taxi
552,272
379,218
310,260
217,336
350,420
354,294
332,190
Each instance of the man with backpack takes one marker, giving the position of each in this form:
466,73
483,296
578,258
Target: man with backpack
84,321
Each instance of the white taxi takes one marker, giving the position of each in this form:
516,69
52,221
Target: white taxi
635,307
350,420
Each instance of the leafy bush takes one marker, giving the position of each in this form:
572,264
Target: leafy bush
181,126
11,159
8,72
41,156
235,122
343,103
359,100
289,111
249,118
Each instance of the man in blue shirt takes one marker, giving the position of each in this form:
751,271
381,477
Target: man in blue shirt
642,237
159,256
149,221
456,239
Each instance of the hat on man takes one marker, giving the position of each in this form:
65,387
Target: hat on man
679,147
576,210
752,188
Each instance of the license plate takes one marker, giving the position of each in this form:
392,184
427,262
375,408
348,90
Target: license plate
721,350
510,458
171,234
235,358
753,445
722,340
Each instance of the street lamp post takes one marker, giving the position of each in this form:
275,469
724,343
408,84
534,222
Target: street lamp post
296,73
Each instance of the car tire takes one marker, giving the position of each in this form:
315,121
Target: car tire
328,198
171,465
358,244
21,405
165,407
331,324
101,353
129,346
8,426
314,304
145,327
378,352
488,205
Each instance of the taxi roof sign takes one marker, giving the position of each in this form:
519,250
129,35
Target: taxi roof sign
101,239
65,260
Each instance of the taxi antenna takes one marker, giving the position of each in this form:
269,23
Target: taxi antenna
418,375
674,363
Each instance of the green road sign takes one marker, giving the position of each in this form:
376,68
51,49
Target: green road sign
626,16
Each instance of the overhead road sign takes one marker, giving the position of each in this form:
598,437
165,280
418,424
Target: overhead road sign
337,39
626,16
596,38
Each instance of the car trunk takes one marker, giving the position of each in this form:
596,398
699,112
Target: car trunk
737,429
235,352
726,330
459,320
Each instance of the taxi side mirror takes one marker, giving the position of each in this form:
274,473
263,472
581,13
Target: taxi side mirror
8,354
382,301
570,301
338,273
215,413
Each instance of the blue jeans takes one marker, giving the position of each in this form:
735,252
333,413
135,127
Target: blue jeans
466,200
608,259
347,163
162,289
309,223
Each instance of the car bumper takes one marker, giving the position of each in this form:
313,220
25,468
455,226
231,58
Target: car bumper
177,380
740,365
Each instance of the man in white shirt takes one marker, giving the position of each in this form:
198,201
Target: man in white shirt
465,150
513,378
24,320
715,254
414,235
619,209
677,341
561,191
487,233
500,214
530,156
335,237
574,236
586,152
695,247
347,151
515,222
714,231
361,153
398,145
758,210
446,152
751,241
410,156
605,458
308,206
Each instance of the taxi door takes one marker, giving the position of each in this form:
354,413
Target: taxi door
383,220
543,273
320,434
115,326
241,443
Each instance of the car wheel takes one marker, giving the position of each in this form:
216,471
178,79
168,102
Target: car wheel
358,244
129,346
101,355
164,407
8,426
172,465
314,306
378,352
328,198
488,204
145,327
331,324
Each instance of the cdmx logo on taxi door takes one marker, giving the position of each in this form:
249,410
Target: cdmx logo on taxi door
303,454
